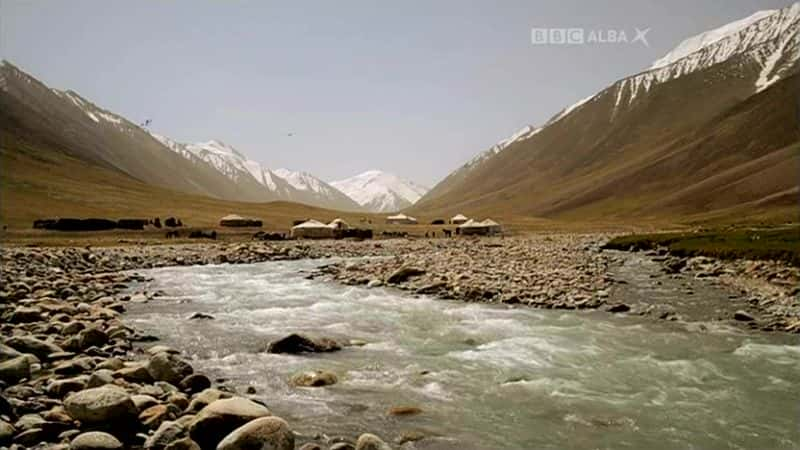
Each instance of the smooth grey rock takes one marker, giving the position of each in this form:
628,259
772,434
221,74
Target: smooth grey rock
168,367
95,440
102,405
369,441
15,369
219,418
266,433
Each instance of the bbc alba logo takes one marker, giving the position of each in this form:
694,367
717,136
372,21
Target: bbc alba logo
583,36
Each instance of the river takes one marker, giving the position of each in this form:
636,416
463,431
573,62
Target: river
485,376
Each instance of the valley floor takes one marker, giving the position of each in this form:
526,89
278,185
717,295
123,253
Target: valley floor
63,306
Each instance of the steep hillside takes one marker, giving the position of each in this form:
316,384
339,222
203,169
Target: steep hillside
644,145
65,121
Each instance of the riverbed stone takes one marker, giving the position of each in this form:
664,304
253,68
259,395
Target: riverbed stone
183,444
95,440
403,274
60,388
167,432
194,383
266,433
314,378
743,316
102,405
369,441
29,344
7,432
220,417
169,367
298,343
92,337
15,369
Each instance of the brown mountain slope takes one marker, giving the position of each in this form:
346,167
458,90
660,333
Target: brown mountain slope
65,121
612,158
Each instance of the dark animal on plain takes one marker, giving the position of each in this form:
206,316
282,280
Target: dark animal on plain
447,233
157,222
173,234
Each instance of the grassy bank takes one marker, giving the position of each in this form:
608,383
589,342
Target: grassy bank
779,244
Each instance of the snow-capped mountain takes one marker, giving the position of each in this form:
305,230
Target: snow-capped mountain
286,185
768,41
312,186
378,191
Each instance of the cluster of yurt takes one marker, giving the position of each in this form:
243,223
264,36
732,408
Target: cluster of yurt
458,219
401,219
314,229
235,220
487,227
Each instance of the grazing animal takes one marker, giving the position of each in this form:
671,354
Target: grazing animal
447,233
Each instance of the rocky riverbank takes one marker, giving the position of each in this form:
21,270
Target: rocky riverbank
572,272
73,375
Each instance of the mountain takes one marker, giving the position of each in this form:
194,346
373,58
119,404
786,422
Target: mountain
319,192
709,127
69,123
64,120
378,191
281,184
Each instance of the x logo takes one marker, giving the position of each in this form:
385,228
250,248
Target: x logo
641,36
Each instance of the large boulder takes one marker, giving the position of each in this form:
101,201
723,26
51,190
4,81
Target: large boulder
29,344
298,343
266,433
106,405
369,441
169,367
15,369
219,418
95,440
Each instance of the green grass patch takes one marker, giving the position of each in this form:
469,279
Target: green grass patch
777,244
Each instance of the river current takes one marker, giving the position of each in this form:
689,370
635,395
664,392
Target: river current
484,376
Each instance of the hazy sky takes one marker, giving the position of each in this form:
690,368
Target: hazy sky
411,87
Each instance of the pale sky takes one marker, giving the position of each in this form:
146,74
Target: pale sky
415,88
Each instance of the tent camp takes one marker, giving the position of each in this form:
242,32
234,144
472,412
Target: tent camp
492,227
339,224
234,220
401,219
458,219
484,228
312,229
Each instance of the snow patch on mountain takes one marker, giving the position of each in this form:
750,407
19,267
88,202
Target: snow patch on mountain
696,43
284,184
379,191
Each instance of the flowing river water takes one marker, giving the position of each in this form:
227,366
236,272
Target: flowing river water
485,376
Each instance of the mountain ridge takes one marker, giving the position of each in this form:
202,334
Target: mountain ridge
378,191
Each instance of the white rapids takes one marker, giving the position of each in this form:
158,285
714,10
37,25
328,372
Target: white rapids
484,376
